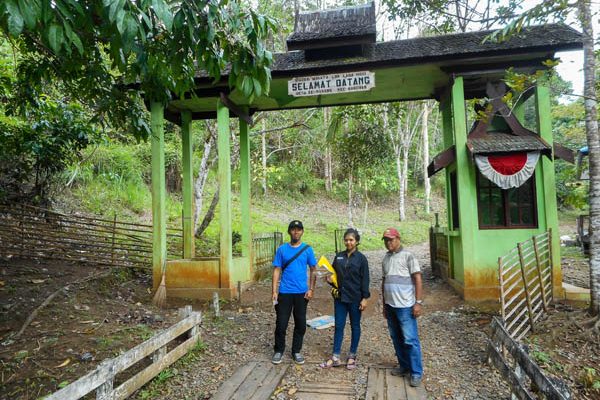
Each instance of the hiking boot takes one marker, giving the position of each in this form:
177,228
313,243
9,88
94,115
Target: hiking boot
298,358
277,356
415,381
400,371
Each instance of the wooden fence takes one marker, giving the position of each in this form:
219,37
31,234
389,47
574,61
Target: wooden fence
525,276
438,253
103,377
516,367
264,246
35,233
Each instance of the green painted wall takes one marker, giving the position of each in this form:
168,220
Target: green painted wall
475,252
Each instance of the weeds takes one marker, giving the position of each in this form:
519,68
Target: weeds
590,378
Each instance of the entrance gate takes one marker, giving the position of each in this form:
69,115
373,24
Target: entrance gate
322,69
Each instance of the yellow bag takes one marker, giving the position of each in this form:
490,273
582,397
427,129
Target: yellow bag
324,263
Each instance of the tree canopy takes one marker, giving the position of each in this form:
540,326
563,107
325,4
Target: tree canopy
107,53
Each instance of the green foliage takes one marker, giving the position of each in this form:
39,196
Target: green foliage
63,384
293,178
361,143
569,130
590,378
434,10
516,19
104,50
34,153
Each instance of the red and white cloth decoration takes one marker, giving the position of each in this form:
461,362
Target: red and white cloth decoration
508,170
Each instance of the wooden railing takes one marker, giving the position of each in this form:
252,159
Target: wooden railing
525,276
103,377
516,367
35,233
264,246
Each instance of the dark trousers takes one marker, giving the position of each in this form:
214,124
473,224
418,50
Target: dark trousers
287,304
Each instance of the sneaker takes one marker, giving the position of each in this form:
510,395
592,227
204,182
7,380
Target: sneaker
298,358
400,371
276,359
415,381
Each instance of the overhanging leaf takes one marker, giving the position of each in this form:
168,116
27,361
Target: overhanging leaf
15,19
55,37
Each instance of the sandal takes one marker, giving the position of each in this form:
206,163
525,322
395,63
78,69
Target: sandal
330,362
351,363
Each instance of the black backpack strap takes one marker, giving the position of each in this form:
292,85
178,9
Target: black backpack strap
291,260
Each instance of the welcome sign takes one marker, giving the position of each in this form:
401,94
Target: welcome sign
330,84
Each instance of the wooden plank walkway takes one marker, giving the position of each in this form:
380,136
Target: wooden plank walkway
254,381
258,380
326,391
382,385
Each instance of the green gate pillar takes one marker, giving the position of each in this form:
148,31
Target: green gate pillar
159,218
446,112
464,268
544,123
226,256
188,212
245,188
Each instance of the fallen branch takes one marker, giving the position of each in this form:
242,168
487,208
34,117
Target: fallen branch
32,316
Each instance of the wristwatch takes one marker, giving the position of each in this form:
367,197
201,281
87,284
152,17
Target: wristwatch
419,302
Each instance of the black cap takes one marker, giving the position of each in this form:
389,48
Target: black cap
295,224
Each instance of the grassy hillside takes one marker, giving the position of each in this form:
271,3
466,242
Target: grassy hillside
114,181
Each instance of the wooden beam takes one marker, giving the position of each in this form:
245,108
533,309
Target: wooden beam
441,161
563,153
234,108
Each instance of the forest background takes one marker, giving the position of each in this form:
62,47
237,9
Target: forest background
361,166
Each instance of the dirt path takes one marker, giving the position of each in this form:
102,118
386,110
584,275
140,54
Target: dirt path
452,334
97,320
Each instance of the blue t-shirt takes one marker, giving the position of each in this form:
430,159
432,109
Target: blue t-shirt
293,280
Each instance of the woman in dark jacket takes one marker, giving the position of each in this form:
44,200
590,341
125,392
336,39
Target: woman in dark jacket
352,270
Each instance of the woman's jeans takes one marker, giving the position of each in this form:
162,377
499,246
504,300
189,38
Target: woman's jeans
405,336
288,304
341,311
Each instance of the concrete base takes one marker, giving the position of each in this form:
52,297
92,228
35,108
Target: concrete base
201,293
575,293
199,278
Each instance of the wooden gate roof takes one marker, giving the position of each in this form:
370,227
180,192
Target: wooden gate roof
411,69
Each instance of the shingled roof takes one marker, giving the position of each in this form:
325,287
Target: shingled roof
495,143
453,48
319,29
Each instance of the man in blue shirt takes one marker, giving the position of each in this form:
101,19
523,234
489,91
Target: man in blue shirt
291,291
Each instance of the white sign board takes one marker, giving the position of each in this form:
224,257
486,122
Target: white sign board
330,84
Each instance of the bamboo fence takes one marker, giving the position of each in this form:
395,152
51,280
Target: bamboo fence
29,232
525,275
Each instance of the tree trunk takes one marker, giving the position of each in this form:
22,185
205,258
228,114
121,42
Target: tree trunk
425,132
404,186
350,179
264,157
205,165
593,140
400,173
210,214
365,214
